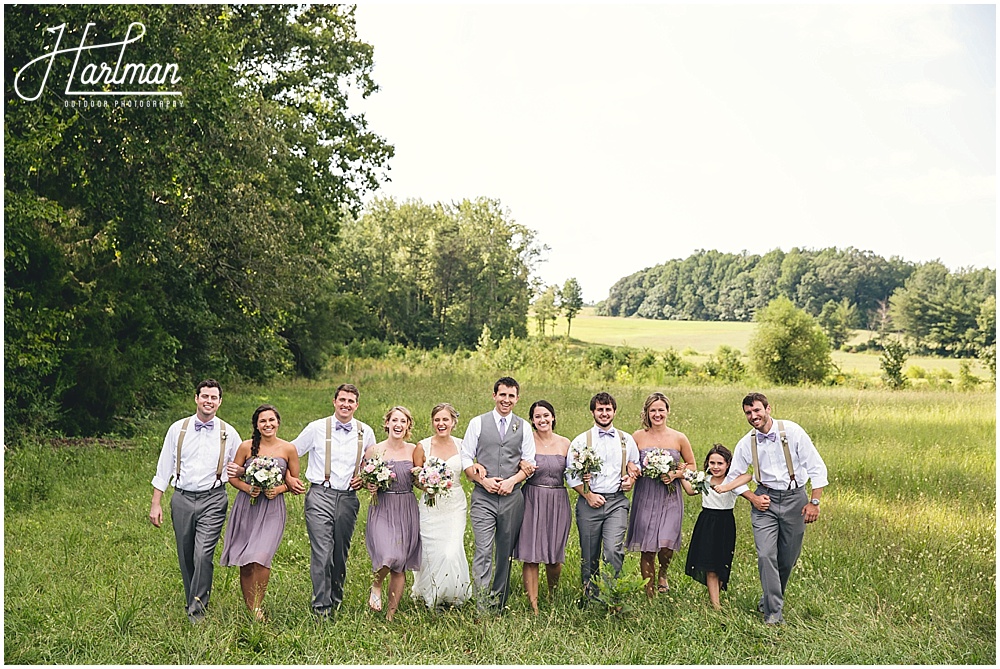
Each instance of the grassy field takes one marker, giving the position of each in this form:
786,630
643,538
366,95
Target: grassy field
900,568
698,339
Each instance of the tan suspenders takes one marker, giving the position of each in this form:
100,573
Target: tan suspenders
329,440
621,436
222,450
784,447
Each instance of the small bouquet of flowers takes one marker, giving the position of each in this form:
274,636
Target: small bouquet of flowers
698,481
435,478
376,471
264,472
658,462
584,461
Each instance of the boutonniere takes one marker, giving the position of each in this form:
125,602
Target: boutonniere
514,426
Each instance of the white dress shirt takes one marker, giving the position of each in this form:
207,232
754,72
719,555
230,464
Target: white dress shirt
806,461
199,456
343,451
470,442
609,450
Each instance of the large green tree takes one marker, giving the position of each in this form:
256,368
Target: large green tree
788,346
145,248
435,274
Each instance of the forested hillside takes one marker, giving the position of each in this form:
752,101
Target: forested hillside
939,311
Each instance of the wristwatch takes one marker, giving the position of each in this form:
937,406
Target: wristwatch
814,501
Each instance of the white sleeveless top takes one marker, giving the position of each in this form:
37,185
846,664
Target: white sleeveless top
717,500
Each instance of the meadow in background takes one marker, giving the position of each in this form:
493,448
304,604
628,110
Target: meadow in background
900,568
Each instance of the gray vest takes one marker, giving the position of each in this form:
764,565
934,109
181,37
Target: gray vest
500,457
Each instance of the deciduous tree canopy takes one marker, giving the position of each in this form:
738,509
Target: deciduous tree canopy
148,247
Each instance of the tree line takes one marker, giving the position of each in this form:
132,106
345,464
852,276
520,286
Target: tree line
146,248
937,311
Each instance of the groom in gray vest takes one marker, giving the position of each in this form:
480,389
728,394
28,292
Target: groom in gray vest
492,450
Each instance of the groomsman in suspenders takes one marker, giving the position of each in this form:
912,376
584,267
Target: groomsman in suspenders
602,511
783,459
194,454
334,445
493,448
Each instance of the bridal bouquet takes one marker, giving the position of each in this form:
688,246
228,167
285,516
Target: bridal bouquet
264,472
584,461
435,478
376,471
698,481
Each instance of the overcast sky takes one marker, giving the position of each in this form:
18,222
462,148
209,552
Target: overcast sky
630,135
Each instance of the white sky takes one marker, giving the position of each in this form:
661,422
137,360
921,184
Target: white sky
630,135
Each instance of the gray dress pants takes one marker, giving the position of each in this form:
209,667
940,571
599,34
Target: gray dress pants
198,518
496,524
330,518
778,534
601,531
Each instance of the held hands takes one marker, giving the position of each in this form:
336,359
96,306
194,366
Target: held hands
492,484
627,483
527,468
294,485
633,470
235,471
506,487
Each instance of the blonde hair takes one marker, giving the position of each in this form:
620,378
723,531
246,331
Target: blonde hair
653,397
405,412
445,406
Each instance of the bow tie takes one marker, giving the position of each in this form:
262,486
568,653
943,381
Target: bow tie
605,433
346,427
771,436
198,425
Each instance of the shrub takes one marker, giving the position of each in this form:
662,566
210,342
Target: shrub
726,364
966,379
892,360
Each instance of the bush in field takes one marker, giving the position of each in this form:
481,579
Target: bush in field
892,361
788,347
966,379
725,364
673,364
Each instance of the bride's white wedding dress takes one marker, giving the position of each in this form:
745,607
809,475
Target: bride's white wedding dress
444,569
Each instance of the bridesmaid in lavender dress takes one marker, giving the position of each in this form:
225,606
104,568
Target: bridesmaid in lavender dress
654,525
546,506
254,530
392,533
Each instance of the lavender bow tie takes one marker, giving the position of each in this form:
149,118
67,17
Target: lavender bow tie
605,433
198,425
346,427
767,437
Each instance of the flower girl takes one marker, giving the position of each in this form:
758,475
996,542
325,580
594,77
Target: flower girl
713,542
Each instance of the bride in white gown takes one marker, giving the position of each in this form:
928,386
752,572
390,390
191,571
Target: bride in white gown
443,578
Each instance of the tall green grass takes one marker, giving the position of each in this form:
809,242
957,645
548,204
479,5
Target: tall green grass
899,569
